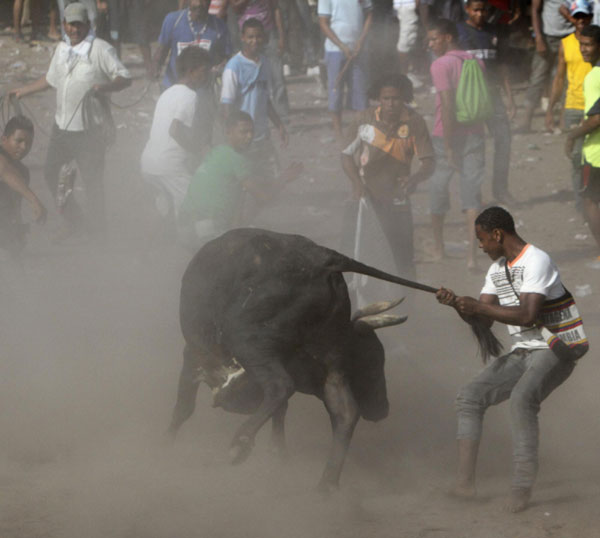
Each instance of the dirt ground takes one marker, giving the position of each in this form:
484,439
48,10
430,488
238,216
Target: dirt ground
91,349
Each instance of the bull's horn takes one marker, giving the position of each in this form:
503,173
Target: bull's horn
376,308
382,320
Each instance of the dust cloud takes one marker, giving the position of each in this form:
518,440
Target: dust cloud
90,352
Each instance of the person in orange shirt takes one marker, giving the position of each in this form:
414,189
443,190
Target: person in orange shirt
572,67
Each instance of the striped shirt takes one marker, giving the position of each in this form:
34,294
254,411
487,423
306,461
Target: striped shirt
532,271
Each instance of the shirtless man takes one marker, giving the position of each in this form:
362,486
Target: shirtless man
15,144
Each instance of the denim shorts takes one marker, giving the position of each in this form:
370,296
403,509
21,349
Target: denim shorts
470,154
355,79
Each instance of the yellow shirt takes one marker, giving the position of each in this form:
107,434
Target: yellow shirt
591,143
577,69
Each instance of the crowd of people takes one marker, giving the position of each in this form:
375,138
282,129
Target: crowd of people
244,45
211,165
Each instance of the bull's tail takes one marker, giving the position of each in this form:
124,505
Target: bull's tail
348,265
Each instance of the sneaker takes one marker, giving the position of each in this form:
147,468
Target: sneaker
313,71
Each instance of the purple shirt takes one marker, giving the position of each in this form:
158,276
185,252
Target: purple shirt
445,74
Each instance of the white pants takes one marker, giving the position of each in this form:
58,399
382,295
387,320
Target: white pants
409,26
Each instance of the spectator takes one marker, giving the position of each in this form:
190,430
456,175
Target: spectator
129,20
194,27
589,41
166,160
36,19
572,66
246,87
310,34
549,29
345,24
215,201
458,148
269,14
190,27
92,11
15,144
83,68
485,43
381,145
430,10
406,12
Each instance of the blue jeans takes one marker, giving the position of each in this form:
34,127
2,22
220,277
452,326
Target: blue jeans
470,153
526,377
355,78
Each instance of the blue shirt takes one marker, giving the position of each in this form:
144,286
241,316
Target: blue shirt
246,86
176,34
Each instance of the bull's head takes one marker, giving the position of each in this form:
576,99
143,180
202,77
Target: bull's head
366,367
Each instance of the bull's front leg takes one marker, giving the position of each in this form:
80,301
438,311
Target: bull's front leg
277,386
189,380
344,414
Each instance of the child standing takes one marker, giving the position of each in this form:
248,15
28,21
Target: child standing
246,88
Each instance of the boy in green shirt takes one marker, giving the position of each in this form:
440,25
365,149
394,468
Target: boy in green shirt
215,199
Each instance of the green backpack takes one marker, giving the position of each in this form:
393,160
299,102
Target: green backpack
473,100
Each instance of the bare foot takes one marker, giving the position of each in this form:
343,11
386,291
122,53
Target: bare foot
518,501
465,492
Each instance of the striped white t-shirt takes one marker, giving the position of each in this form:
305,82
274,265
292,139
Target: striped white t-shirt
532,271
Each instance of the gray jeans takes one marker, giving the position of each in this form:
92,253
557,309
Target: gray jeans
573,117
541,71
526,378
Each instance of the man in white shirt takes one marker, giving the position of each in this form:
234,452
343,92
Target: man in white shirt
522,290
167,158
82,67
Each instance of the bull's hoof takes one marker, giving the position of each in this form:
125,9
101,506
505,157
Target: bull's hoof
240,449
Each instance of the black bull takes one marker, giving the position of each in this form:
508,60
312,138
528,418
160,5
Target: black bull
265,315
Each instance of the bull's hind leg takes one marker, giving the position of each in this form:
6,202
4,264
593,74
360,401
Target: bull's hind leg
344,414
189,381
278,431
277,386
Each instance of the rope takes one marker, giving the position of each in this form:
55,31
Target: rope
11,104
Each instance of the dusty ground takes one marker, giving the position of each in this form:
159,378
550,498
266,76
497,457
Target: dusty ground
91,351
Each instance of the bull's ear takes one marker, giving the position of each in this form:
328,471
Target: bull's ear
381,320
376,308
